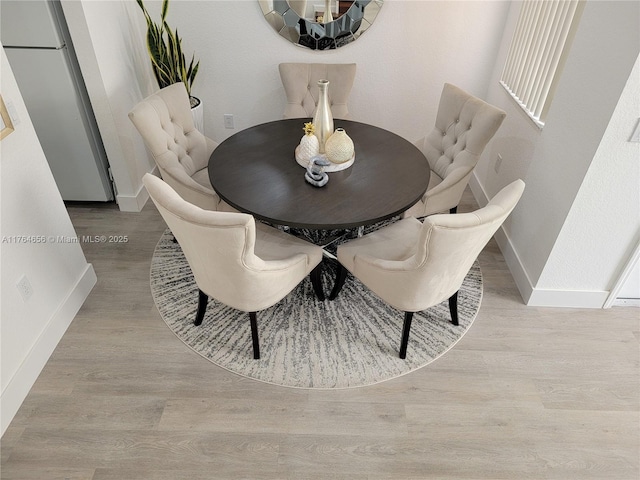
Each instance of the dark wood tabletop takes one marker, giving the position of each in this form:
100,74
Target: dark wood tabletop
255,171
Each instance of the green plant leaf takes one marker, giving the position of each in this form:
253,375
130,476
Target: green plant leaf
165,51
165,9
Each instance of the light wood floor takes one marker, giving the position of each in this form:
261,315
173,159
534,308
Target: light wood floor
528,393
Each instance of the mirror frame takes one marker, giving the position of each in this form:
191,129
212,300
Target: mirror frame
320,36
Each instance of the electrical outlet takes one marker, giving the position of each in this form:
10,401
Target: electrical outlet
228,120
25,288
496,167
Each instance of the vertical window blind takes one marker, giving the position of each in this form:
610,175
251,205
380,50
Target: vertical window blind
538,49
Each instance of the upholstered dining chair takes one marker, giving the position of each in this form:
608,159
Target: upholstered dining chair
300,82
245,265
181,152
464,126
415,265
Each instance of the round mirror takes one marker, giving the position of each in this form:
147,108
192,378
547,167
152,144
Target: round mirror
307,24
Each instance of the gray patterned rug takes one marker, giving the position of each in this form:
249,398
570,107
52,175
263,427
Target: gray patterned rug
351,341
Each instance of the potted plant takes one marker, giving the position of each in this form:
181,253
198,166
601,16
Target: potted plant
167,58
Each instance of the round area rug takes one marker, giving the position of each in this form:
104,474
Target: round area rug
351,341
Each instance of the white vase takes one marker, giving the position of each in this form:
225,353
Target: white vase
197,110
339,147
327,16
323,119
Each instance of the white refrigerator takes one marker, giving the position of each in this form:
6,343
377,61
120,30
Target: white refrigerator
36,41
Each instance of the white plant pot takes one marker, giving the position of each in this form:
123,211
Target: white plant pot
197,110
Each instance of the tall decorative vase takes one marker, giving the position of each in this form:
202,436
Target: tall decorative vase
323,119
327,17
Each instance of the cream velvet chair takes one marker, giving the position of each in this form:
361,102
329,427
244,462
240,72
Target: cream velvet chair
415,265
181,152
300,82
244,265
464,126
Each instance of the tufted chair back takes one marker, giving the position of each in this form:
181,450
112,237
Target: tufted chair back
300,81
182,152
464,126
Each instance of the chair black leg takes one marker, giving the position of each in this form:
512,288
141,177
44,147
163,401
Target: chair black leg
341,276
405,334
317,282
453,308
454,209
254,335
202,307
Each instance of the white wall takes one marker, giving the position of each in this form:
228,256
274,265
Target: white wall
403,61
566,239
606,225
58,272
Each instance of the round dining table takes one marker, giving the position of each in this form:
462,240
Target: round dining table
256,172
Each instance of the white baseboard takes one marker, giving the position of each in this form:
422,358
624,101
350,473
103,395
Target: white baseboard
535,297
135,203
626,302
567,298
20,384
